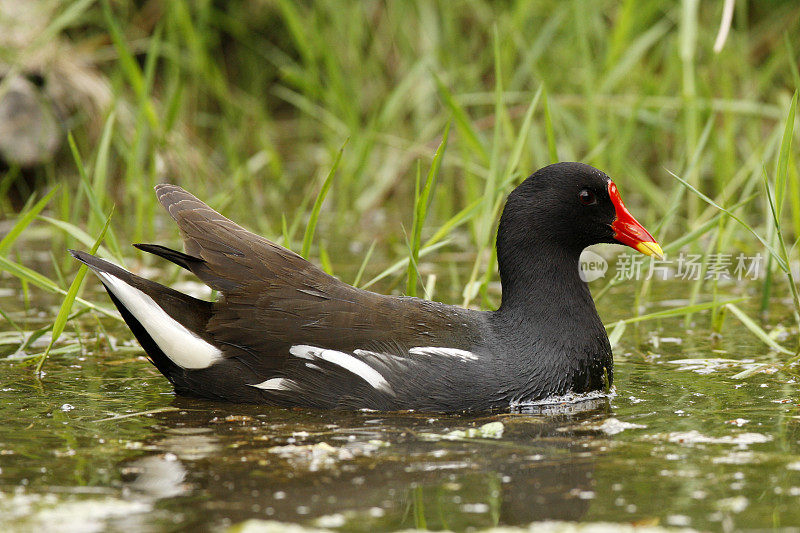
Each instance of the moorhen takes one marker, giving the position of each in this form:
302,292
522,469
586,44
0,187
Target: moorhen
284,332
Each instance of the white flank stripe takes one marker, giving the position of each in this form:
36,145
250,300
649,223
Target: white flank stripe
464,355
367,353
275,384
344,360
304,352
183,347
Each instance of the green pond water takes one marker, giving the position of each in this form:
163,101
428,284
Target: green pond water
101,443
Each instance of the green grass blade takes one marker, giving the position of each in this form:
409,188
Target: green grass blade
422,202
756,330
633,55
71,14
463,216
77,233
463,124
552,149
11,322
128,65
325,260
27,275
783,158
308,237
794,195
27,216
522,137
287,239
704,228
298,30
411,272
616,333
363,265
95,205
66,306
312,109
76,156
677,311
709,201
792,61
403,263
412,266
784,253
100,174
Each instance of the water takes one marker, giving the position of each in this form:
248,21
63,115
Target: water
100,442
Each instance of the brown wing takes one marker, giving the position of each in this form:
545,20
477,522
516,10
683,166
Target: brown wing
273,298
233,257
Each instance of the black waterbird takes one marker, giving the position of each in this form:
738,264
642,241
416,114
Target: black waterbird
284,332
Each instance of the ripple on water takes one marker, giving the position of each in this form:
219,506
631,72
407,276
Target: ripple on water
47,512
567,404
612,426
693,437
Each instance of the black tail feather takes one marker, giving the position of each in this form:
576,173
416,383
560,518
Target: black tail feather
181,259
197,266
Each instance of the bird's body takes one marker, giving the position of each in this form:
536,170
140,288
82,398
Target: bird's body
284,332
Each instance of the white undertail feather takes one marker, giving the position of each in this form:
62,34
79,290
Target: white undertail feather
183,347
344,360
279,384
457,353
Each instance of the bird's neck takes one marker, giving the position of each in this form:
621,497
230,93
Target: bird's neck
543,284
550,324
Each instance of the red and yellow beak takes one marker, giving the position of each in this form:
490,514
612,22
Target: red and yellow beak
628,231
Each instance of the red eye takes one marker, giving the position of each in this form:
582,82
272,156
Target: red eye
587,197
